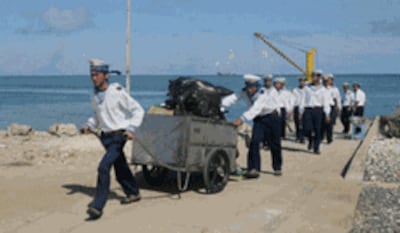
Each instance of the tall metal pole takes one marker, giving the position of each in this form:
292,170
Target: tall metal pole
128,49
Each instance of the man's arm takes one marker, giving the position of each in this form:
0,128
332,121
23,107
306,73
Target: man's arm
134,110
326,104
255,109
91,124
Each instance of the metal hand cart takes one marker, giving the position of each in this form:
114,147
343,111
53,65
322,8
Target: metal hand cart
186,144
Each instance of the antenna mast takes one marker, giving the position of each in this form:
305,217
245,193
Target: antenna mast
128,48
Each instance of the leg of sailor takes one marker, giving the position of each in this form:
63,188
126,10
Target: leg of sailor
253,159
317,119
273,136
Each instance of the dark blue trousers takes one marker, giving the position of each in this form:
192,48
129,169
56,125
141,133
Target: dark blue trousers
359,111
283,122
312,123
114,156
327,129
345,118
266,128
298,124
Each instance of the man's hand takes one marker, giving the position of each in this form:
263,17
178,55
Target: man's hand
327,119
85,129
237,122
130,135
300,116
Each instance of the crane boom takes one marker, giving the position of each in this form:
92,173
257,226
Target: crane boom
284,56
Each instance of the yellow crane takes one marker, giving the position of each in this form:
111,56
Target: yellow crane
309,56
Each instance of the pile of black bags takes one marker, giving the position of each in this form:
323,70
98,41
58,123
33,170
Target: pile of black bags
189,96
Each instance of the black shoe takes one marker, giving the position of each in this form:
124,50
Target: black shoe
330,141
94,213
130,199
317,152
301,141
252,174
309,146
277,173
90,204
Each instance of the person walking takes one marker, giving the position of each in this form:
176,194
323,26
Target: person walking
266,126
335,103
312,109
299,93
359,100
285,102
348,98
117,115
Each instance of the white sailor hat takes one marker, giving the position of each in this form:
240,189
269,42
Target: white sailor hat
97,65
329,76
346,84
317,72
268,77
280,80
251,78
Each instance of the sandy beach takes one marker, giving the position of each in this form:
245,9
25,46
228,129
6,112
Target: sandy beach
46,183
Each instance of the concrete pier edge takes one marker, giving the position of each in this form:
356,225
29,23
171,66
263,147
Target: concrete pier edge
354,169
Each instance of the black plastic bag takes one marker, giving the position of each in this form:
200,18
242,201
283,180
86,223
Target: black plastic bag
189,96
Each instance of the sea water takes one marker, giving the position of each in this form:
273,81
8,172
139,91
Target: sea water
40,101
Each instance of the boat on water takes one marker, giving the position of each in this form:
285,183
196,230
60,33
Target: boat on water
226,74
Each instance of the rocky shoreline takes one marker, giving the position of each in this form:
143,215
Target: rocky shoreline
378,207
20,145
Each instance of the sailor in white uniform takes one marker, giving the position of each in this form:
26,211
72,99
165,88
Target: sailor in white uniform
359,100
348,99
285,102
268,83
117,116
312,109
299,93
249,93
264,112
335,103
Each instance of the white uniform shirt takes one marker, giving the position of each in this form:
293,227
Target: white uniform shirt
229,100
348,99
334,94
115,110
266,103
286,99
359,96
316,96
298,94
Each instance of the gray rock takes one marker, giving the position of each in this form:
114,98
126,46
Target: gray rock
63,130
19,130
383,161
389,125
378,210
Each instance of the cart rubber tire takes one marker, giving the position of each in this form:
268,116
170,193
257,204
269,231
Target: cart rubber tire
216,172
154,175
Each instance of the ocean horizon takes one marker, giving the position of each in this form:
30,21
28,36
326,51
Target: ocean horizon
42,100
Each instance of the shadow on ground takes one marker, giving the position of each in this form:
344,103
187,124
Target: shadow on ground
168,189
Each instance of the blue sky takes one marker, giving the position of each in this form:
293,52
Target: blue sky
199,37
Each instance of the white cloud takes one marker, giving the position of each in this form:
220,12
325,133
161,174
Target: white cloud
58,21
66,20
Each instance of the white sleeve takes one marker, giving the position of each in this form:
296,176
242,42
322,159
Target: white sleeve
302,101
92,122
338,99
326,103
255,109
134,109
229,100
